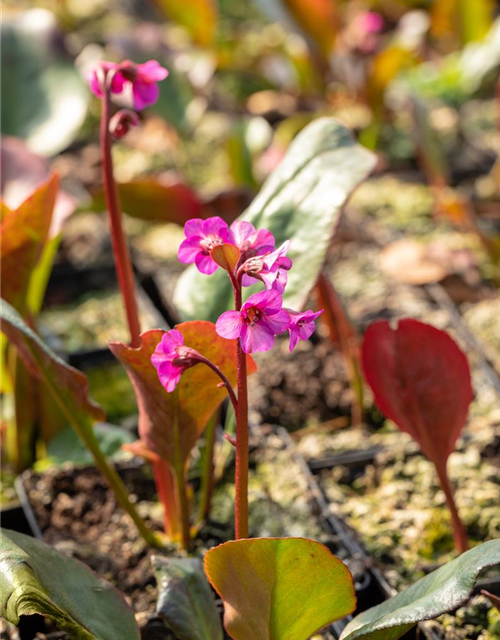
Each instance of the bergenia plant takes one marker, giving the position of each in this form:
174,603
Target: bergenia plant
248,255
421,381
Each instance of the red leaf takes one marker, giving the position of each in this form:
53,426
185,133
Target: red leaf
421,381
226,256
181,416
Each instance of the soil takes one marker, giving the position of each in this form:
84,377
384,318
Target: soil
78,515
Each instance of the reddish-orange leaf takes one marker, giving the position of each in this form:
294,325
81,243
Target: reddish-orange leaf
318,20
421,381
226,256
24,232
181,416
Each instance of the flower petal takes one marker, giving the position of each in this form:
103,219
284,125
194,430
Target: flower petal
205,264
256,338
229,325
214,226
189,249
194,227
169,375
276,323
145,93
152,71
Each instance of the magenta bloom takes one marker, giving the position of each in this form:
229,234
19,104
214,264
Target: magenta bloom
249,240
201,237
276,264
164,356
260,319
142,78
301,325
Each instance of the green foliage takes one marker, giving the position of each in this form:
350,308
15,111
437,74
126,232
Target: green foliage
443,590
37,579
301,201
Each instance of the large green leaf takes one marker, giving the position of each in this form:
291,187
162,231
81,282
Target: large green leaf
279,588
185,599
35,578
44,99
69,389
443,590
301,201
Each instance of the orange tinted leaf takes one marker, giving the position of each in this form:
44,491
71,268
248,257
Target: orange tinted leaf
198,17
183,414
317,19
24,232
421,381
279,588
226,256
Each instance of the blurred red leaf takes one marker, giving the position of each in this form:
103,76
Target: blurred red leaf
171,423
22,172
24,232
421,381
149,199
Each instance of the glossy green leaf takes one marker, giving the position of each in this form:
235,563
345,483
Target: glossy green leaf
25,231
149,199
69,387
279,588
301,201
185,600
44,98
443,590
35,578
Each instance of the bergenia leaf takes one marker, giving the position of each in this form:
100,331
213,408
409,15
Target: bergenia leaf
69,389
301,201
279,588
185,600
226,256
150,199
443,590
35,578
421,381
171,423
25,231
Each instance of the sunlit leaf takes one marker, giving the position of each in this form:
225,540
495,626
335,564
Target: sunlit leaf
279,588
69,387
469,20
35,578
226,256
301,201
199,17
443,590
44,98
317,18
171,423
421,381
185,600
24,233
149,199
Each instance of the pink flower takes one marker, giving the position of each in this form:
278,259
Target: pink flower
301,325
171,358
260,319
250,241
201,237
142,78
271,269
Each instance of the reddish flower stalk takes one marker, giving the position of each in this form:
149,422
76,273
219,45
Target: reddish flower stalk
121,253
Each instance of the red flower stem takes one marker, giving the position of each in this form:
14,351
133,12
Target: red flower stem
121,253
241,474
164,481
459,532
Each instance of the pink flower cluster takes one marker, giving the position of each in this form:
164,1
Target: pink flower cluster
141,78
262,317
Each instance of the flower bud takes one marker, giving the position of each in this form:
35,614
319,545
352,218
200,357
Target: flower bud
121,123
186,357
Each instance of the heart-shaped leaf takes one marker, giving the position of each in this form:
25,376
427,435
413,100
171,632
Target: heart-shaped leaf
185,599
301,201
149,199
421,381
171,423
24,233
37,579
69,389
443,590
279,588
44,98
